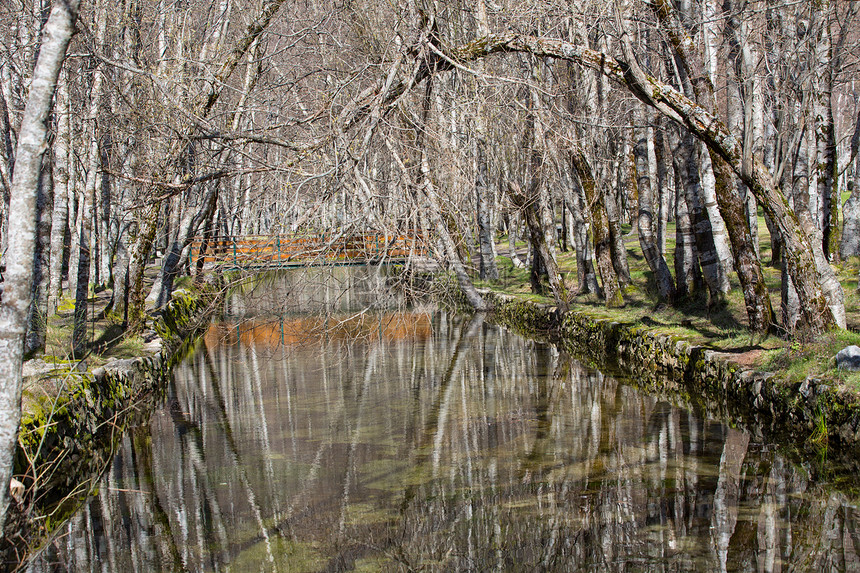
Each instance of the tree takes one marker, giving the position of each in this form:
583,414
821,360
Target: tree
179,158
93,156
29,154
486,239
749,271
645,218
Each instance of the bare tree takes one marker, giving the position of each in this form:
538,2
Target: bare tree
821,296
22,232
645,219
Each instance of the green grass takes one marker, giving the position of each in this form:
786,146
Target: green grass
798,360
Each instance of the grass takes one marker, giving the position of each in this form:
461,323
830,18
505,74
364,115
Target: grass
722,326
797,360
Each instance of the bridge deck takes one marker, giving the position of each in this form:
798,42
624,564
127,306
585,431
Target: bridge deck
284,251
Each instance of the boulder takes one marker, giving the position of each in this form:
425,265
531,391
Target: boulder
848,358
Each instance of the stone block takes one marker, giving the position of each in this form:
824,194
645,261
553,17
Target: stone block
848,358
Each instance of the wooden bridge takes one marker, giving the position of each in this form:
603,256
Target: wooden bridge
287,251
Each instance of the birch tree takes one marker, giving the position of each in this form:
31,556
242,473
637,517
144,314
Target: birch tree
201,107
93,156
29,152
486,237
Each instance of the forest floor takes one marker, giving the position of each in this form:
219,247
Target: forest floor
720,327
105,334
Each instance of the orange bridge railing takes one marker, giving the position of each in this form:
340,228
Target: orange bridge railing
273,251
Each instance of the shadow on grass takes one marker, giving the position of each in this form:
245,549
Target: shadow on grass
109,338
717,313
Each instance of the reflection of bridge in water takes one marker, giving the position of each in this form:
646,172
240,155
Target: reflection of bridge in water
310,330
288,251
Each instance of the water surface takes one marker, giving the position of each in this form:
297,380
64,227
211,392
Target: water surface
403,440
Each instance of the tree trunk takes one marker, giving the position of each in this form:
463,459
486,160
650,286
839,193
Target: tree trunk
472,295
743,82
537,270
711,204
512,241
124,228
120,273
75,221
105,244
60,215
665,186
7,158
425,183
32,142
531,208
775,243
609,186
79,340
825,134
747,264
599,229
617,250
585,274
535,205
822,300
487,255
850,244
816,280
542,250
147,225
645,218
688,162
486,239
566,227
789,303
37,317
801,185
186,230
688,277
208,236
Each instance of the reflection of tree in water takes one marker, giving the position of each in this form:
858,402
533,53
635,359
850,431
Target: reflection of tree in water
313,290
468,448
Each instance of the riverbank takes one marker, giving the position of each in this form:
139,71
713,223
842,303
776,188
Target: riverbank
821,412
73,417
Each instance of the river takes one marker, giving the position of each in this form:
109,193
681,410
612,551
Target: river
321,425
